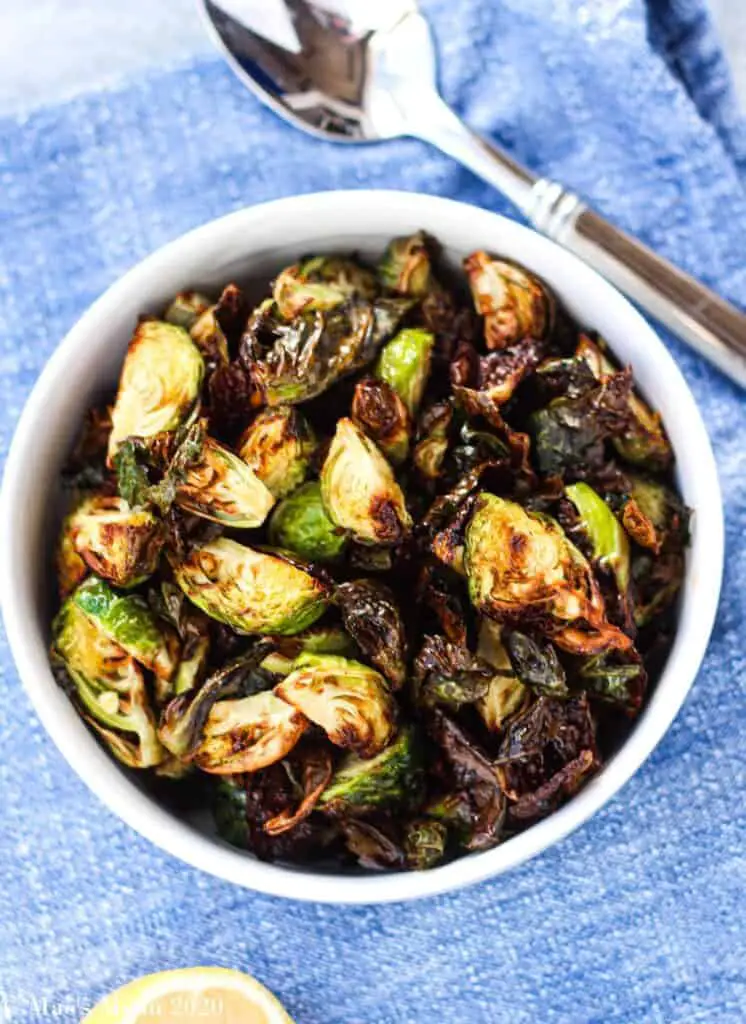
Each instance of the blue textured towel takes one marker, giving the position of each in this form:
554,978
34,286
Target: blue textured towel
639,916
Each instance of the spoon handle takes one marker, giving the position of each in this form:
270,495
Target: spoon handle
709,324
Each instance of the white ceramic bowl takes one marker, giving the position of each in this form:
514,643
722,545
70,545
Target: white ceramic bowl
254,243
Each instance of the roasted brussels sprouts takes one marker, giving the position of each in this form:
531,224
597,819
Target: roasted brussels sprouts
300,524
380,413
514,303
466,545
605,533
278,446
521,566
120,543
186,309
392,777
405,266
247,734
506,694
349,700
372,616
127,620
251,591
404,363
160,383
321,282
359,490
109,687
221,487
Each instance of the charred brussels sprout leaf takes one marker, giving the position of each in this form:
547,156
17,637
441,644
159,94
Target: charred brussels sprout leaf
655,584
394,777
604,531
247,734
653,516
359,490
537,665
405,267
221,487
192,628
372,617
315,767
109,687
251,591
615,679
379,411
448,674
186,309
514,303
322,282
424,843
316,349
506,694
300,524
643,442
350,701
278,446
404,364
521,566
546,755
433,439
373,845
160,383
128,621
120,543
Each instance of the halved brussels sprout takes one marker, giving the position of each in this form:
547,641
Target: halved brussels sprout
109,686
645,443
300,524
514,303
520,564
424,843
186,309
359,490
372,616
404,363
120,543
321,282
405,266
604,531
160,383
278,446
506,695
252,591
394,776
652,514
247,734
192,627
379,411
349,700
128,621
221,487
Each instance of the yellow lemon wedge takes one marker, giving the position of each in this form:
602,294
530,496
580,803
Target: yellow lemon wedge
194,995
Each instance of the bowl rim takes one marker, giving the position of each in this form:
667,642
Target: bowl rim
178,837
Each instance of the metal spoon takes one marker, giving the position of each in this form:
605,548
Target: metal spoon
356,71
